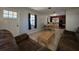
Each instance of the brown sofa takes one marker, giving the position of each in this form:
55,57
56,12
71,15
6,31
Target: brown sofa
19,43
69,41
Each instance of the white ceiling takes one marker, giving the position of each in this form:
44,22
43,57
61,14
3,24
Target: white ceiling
45,10
39,8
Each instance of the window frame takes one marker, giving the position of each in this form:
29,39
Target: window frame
9,14
32,20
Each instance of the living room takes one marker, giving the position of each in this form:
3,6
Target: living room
39,29
18,21
20,24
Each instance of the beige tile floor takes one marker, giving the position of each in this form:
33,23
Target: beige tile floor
53,44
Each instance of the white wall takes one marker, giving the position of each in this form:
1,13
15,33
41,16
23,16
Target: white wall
24,21
9,24
72,19
44,18
21,21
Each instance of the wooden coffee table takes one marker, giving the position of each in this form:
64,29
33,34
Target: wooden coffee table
45,37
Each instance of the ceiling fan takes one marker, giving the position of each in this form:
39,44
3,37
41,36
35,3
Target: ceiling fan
49,7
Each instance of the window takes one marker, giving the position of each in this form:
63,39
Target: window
32,20
9,14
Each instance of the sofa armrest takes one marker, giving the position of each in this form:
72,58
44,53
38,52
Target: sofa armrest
21,37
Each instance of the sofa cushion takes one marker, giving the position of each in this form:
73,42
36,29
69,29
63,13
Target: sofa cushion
21,37
29,45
